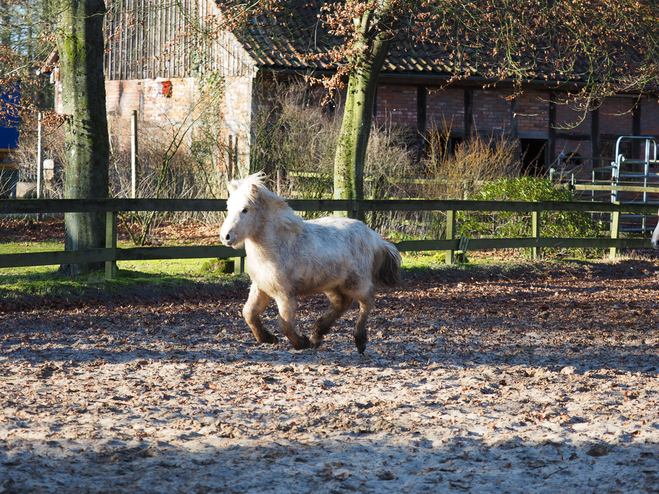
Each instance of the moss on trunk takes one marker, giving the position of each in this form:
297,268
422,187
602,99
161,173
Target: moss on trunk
80,43
371,51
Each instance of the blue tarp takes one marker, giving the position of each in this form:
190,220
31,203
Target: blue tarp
9,99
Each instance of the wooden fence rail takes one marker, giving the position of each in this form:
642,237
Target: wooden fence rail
111,207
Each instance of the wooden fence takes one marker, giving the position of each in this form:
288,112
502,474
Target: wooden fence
111,253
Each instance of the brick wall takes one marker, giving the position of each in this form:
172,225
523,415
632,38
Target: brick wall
650,117
396,104
445,108
154,101
567,147
492,112
533,114
237,112
616,116
571,118
122,97
163,105
160,113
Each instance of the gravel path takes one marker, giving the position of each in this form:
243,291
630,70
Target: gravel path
541,384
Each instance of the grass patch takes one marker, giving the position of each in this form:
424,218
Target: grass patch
26,247
129,286
136,280
190,268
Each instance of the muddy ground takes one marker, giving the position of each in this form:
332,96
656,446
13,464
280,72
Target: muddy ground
542,380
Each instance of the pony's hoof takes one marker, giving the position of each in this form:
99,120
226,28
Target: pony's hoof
269,339
303,343
361,349
316,344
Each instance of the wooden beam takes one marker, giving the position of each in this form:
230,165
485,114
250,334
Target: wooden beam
469,112
421,97
595,133
551,131
36,206
636,129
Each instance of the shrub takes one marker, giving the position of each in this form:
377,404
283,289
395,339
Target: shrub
514,224
459,172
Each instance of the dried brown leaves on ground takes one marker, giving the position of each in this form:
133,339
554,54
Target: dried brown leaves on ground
542,380
52,229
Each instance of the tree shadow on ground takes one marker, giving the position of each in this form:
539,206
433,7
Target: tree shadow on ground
440,461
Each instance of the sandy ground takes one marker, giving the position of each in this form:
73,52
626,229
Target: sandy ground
548,383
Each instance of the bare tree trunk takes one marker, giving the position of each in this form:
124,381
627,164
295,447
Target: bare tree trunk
80,44
5,29
350,154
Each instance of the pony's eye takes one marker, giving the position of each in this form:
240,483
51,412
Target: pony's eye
245,210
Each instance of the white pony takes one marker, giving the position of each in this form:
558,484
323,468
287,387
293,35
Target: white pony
655,237
289,257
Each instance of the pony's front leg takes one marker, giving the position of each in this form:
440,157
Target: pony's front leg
287,308
255,305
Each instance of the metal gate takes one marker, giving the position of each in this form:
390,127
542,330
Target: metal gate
634,176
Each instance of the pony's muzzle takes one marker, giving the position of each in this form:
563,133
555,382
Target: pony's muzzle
228,239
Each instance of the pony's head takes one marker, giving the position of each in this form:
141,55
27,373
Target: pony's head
242,205
655,237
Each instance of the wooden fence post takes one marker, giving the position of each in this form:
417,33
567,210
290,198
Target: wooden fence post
450,230
535,232
111,243
615,232
357,212
238,265
133,154
39,157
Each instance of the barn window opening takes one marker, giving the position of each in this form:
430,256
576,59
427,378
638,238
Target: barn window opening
534,161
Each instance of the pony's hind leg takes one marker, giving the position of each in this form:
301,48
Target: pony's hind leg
256,303
339,304
287,308
366,305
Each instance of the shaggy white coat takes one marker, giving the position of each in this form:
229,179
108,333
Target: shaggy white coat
288,257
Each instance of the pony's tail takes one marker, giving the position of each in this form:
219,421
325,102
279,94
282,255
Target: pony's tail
386,266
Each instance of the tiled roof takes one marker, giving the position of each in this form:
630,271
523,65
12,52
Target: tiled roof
297,33
291,44
286,45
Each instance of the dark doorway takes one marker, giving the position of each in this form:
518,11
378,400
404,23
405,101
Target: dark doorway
534,162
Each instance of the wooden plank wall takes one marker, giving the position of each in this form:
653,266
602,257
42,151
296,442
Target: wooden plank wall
147,39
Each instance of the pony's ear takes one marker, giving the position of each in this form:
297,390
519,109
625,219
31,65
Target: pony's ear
232,186
254,189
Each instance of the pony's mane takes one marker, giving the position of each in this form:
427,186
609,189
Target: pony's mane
254,189
251,186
